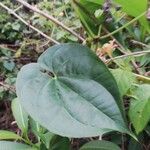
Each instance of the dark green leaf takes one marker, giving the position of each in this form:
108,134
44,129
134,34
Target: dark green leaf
58,142
71,92
85,10
134,145
100,145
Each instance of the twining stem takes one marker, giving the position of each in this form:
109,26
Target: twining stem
142,78
129,54
9,87
124,26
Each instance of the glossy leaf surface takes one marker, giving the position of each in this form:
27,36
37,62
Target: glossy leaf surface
71,92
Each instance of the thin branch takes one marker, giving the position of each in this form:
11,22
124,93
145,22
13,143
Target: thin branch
140,43
29,25
4,47
147,73
18,8
124,26
142,78
136,67
8,87
129,54
54,20
122,50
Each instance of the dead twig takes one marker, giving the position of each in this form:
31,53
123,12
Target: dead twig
51,18
8,87
136,54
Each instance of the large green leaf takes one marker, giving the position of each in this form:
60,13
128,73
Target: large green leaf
139,112
20,115
5,145
7,135
71,92
100,145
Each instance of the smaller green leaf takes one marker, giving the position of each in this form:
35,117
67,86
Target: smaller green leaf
46,138
9,65
85,9
16,26
58,142
134,145
100,145
5,145
36,128
139,111
124,78
7,135
20,115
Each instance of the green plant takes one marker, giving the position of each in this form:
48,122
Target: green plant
77,91
72,93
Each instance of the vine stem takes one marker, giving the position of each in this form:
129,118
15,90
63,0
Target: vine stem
124,26
26,23
54,20
142,78
9,87
122,50
129,54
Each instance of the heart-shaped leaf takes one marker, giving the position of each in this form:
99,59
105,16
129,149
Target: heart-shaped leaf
71,92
